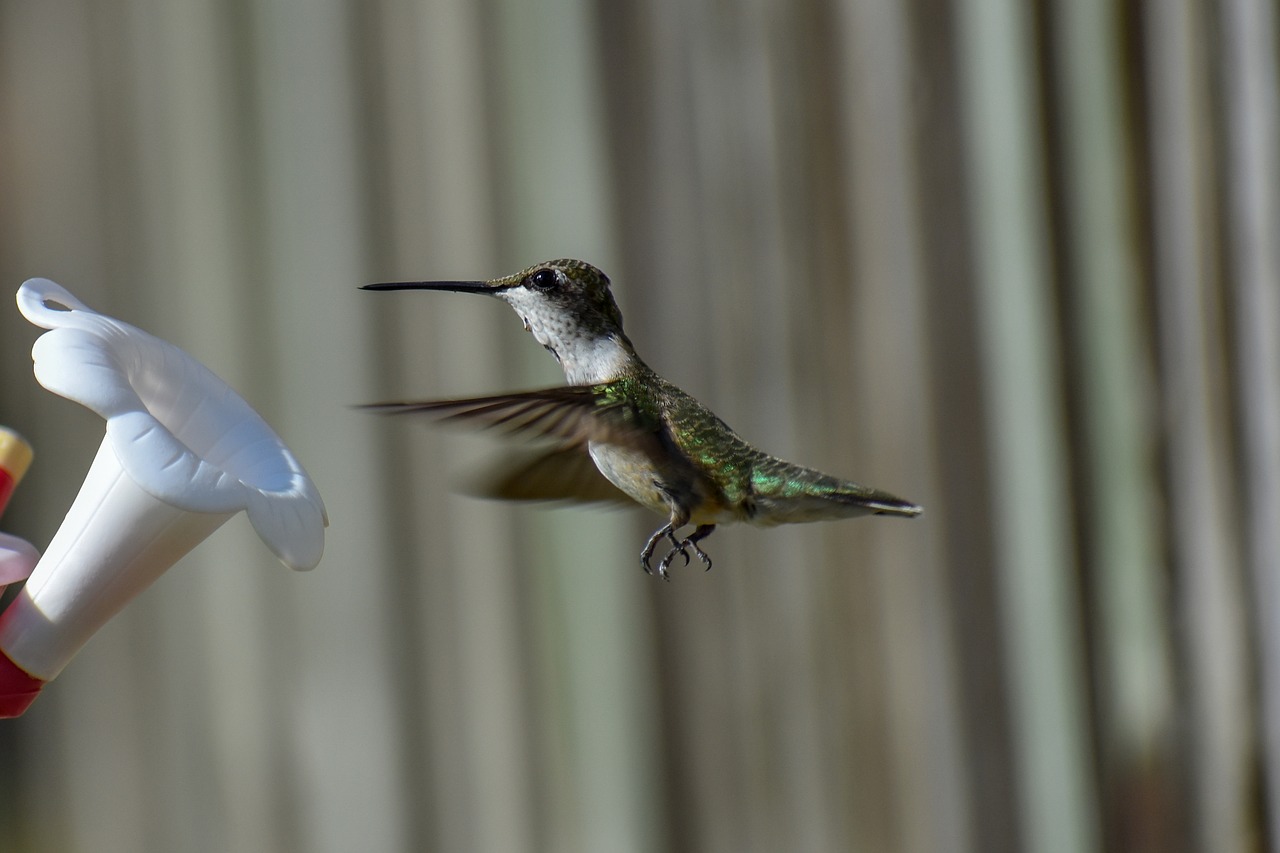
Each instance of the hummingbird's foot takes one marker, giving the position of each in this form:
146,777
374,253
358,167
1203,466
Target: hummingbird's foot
703,531
682,548
678,546
668,531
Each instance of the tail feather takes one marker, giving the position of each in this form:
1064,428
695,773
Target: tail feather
803,494
876,502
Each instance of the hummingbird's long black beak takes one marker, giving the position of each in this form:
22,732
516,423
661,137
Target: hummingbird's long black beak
455,286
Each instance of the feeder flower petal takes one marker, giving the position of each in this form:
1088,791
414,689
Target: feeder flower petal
181,455
181,433
17,558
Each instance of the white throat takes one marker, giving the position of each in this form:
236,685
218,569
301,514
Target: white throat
586,359
590,362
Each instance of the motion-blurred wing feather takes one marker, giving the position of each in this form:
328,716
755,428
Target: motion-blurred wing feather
572,415
561,474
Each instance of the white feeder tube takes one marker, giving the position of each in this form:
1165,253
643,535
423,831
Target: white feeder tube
116,539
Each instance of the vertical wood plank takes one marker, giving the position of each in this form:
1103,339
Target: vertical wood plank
1024,396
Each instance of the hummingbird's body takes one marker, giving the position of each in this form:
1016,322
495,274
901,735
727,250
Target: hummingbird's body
653,442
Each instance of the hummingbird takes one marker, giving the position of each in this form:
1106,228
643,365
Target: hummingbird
653,443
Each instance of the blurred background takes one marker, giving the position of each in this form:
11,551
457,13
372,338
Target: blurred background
1015,261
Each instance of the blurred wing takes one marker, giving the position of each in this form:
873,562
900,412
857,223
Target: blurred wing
572,415
561,474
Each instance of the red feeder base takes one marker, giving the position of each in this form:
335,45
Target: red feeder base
17,688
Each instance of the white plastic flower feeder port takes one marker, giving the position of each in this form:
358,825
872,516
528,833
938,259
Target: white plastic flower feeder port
182,454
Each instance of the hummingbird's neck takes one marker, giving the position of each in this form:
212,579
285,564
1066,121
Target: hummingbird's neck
590,346
590,361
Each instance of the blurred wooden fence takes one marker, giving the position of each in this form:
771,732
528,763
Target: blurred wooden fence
1019,262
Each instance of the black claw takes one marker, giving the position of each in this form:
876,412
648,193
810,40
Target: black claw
702,555
647,553
702,532
669,559
681,549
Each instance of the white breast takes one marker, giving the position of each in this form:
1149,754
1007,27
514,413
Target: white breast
630,471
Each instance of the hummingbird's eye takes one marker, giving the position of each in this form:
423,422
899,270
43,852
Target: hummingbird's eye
542,280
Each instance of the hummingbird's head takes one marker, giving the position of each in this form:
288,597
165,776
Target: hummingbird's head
566,305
